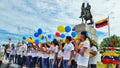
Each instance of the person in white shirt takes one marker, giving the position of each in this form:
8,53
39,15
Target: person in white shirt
68,51
40,54
17,52
28,55
7,51
74,63
34,55
22,51
60,55
82,49
44,50
12,54
93,59
53,50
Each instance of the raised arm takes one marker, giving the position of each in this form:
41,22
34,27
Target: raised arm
47,42
76,46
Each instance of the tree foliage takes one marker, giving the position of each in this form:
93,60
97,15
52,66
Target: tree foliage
112,41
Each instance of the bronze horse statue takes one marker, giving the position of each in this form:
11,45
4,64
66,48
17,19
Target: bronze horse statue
86,13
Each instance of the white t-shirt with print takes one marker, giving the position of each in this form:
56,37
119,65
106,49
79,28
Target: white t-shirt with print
29,52
33,52
39,53
93,60
76,56
67,51
17,51
8,50
44,55
60,54
83,60
52,50
48,55
12,51
23,49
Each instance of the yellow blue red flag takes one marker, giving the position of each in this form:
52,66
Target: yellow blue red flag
102,23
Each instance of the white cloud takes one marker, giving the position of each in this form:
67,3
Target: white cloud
26,16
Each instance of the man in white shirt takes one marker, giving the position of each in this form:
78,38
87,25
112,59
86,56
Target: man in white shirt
82,50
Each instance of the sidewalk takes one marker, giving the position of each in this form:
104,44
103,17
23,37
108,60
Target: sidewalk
6,61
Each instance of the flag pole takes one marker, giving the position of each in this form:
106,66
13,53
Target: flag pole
108,27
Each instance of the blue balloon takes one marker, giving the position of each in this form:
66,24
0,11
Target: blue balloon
49,36
37,41
39,31
73,34
24,38
36,34
42,37
67,28
29,43
62,35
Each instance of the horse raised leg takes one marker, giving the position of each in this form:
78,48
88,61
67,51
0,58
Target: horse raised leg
91,21
82,20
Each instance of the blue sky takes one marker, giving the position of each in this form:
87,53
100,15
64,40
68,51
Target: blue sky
23,17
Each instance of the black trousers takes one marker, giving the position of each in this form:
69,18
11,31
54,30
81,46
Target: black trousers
16,58
92,66
74,64
7,55
0,62
40,62
21,60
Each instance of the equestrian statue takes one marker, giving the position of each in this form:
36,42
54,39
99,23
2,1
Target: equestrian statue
86,13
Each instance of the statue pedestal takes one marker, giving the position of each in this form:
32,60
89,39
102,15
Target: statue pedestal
83,27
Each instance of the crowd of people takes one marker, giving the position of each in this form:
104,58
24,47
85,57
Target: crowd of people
68,54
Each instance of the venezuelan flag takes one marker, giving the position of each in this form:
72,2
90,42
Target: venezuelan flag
101,23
